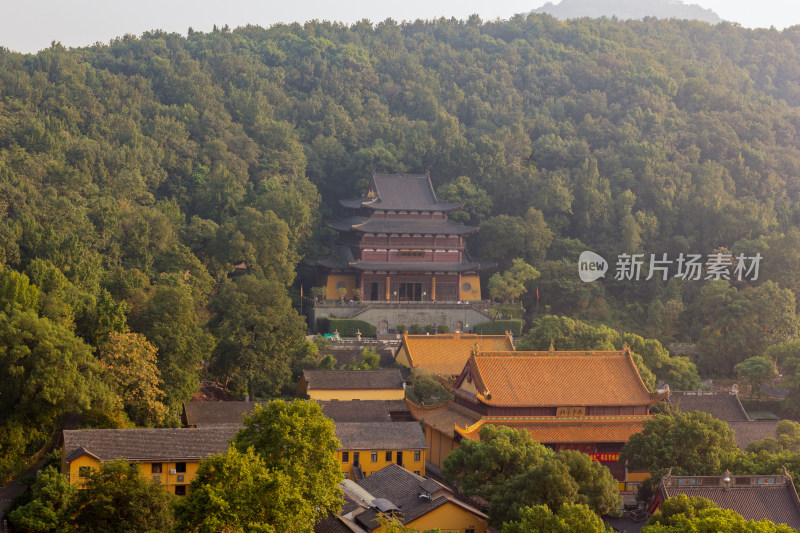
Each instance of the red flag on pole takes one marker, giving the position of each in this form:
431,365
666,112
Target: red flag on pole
537,293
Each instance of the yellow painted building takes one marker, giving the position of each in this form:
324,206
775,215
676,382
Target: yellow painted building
440,423
419,503
470,288
343,385
367,447
167,456
335,282
450,516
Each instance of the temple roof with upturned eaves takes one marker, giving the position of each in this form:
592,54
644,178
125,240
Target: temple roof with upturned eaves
400,192
436,226
536,379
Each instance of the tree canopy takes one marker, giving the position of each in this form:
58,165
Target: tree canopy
230,494
296,440
693,443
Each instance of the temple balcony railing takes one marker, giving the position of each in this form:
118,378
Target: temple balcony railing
480,305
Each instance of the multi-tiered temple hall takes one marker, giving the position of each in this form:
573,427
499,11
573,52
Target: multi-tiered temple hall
399,246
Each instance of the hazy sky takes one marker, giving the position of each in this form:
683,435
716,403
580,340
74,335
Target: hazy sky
30,25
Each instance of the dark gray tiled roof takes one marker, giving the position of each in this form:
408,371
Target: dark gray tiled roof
353,379
719,404
209,414
436,226
747,432
340,258
146,445
335,523
380,436
403,489
400,192
363,410
747,495
203,414
331,524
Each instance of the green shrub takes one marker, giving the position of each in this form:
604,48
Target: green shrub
442,328
415,329
401,328
347,327
499,327
429,328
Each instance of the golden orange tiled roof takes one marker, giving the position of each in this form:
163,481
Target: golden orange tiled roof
548,379
564,431
446,354
443,417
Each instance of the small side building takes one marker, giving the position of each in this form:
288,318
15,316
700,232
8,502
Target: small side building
169,456
342,385
367,447
770,497
420,504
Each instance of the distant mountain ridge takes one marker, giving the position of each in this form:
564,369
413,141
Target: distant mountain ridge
629,9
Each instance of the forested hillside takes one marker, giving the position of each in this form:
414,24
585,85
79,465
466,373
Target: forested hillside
134,177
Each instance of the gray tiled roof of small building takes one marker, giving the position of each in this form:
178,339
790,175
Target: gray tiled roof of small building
166,444
403,488
353,379
209,414
333,523
202,414
777,503
363,410
751,431
722,405
380,436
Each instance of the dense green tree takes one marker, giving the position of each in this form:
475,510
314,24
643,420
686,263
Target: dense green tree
294,439
481,467
741,323
511,284
755,371
48,372
426,388
16,291
577,518
259,334
117,498
566,477
229,494
504,238
169,321
132,374
50,502
370,360
690,443
477,204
